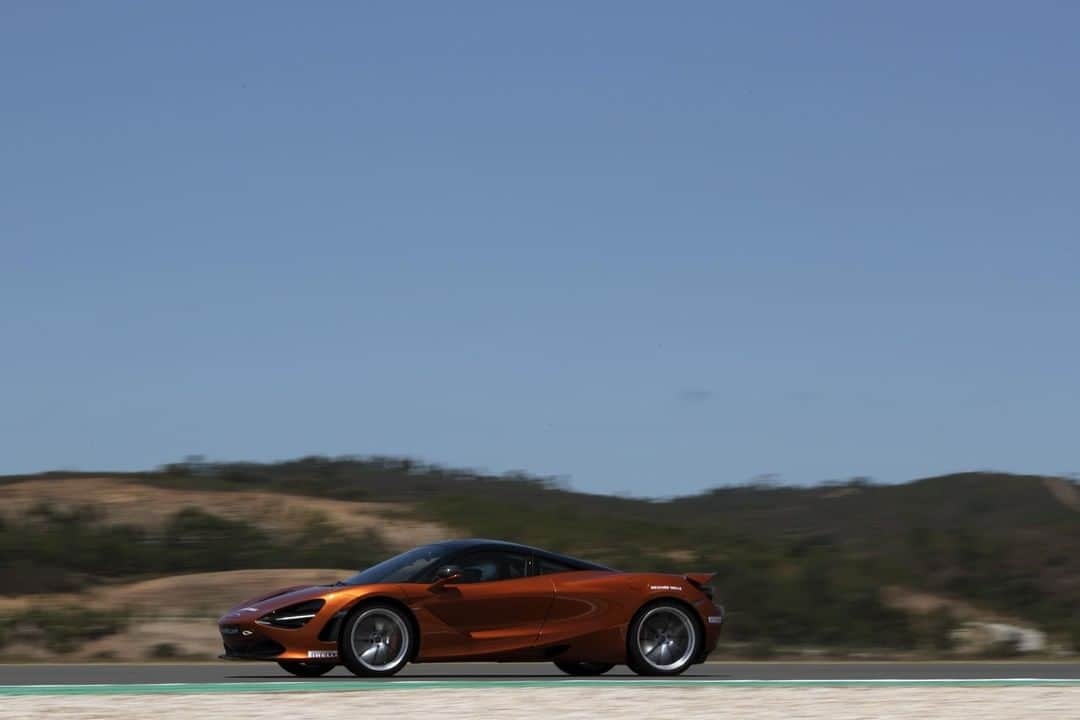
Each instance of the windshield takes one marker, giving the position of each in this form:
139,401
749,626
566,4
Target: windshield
403,567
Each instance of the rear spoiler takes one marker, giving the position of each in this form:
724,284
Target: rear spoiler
701,581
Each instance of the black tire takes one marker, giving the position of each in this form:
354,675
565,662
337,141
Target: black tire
377,640
583,668
305,669
664,639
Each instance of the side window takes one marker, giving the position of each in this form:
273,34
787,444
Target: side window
489,565
547,566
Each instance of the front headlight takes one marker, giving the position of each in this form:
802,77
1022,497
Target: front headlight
292,616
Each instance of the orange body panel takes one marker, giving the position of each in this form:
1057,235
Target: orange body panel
578,615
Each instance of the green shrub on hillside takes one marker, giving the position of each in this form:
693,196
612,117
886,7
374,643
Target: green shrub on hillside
63,629
192,540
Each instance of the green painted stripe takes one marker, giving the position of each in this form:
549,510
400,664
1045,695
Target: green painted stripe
363,685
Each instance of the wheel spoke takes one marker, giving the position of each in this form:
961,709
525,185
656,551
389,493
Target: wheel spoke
380,639
666,639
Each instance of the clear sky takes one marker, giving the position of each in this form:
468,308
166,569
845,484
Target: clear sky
651,247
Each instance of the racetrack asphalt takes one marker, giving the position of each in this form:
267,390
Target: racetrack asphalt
247,673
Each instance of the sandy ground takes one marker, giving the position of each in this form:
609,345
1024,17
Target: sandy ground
145,505
180,611
942,703
1066,493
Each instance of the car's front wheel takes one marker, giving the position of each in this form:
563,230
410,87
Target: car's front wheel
376,640
583,668
663,640
305,669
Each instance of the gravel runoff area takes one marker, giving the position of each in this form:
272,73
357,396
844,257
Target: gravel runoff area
786,703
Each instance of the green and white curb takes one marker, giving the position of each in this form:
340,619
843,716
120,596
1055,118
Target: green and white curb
364,685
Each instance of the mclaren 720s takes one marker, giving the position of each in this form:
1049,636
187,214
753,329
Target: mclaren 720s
481,600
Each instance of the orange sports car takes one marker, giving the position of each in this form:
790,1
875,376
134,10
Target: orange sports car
481,600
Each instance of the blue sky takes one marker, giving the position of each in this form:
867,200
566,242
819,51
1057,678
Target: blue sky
650,247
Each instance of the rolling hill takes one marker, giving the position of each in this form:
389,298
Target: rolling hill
852,566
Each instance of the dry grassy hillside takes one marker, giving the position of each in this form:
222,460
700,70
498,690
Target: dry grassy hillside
853,567
170,617
127,503
105,568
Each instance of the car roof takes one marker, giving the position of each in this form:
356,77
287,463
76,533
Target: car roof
478,543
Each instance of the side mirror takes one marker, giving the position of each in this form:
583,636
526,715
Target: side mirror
448,574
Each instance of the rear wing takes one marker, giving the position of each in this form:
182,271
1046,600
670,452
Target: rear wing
701,582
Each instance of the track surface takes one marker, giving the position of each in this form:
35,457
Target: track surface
117,673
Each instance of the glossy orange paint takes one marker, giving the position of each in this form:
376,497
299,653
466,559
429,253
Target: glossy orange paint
573,616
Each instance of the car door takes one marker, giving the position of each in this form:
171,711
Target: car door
495,607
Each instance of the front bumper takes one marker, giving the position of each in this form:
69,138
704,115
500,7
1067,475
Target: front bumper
254,641
242,643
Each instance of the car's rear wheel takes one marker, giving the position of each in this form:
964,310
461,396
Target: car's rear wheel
583,668
376,640
305,669
663,639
